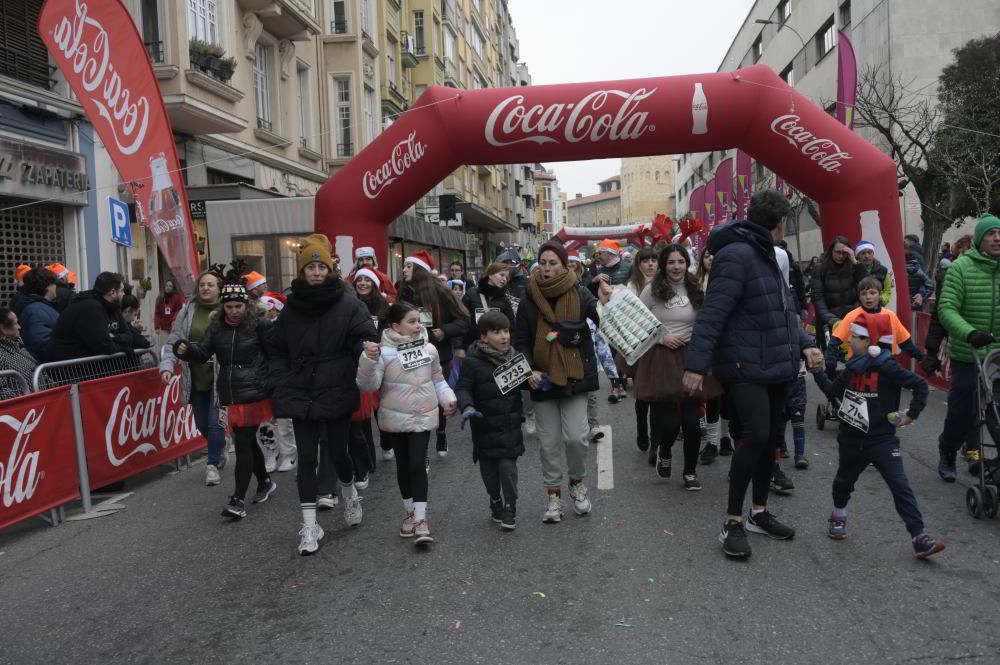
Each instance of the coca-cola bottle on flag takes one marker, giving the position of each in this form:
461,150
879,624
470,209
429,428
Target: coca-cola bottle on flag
166,221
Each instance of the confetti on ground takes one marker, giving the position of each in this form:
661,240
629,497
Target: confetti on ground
539,594
458,624
651,580
468,582
669,533
624,622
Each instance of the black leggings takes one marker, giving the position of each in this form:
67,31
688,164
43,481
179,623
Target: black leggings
642,418
758,422
500,474
334,436
364,462
713,409
369,434
668,418
249,460
411,457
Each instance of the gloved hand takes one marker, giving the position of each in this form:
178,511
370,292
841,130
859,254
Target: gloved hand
931,363
978,339
468,414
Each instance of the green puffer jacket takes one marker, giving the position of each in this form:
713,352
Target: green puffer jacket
970,300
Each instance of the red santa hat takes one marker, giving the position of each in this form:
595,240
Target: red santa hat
370,274
877,328
273,300
422,259
574,256
254,279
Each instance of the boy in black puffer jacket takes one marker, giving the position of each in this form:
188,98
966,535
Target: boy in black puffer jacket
497,441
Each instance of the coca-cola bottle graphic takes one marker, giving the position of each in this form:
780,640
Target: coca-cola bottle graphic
699,110
167,222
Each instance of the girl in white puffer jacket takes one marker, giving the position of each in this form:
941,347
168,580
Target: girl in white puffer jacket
406,370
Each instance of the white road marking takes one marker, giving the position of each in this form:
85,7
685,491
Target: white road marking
605,461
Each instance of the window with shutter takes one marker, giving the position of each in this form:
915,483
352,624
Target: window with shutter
23,55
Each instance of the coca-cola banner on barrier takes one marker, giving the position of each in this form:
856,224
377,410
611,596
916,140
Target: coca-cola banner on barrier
751,109
133,422
37,455
96,46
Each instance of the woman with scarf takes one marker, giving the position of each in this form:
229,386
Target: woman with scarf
553,335
489,294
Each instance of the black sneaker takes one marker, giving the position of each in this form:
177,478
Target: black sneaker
642,441
691,482
709,453
781,483
725,447
925,546
663,467
767,524
496,510
235,509
734,540
442,444
265,491
946,468
508,522
651,458
613,398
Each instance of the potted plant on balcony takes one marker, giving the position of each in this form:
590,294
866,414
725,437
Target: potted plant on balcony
211,59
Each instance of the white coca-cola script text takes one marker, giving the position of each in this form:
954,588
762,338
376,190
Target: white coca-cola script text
825,152
19,474
132,427
512,122
85,44
405,154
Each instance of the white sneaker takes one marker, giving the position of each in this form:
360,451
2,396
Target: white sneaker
530,426
388,455
596,434
286,463
353,512
270,462
581,504
327,501
310,537
363,483
553,513
212,476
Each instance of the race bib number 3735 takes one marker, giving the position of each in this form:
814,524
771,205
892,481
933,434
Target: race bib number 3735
512,373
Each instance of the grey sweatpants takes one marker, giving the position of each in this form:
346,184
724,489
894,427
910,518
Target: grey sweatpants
562,434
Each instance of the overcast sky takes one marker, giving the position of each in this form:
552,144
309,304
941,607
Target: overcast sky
568,41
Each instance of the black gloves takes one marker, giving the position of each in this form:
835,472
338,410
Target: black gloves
931,363
978,339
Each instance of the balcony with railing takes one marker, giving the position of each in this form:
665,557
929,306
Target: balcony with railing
451,73
155,51
408,49
285,19
338,27
345,150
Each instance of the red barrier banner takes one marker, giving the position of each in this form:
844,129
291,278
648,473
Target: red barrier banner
941,381
133,422
37,463
98,49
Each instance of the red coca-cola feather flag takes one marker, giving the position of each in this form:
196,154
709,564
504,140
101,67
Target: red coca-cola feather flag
97,48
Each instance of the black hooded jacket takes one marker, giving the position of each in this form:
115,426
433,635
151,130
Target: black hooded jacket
497,435
239,352
90,326
495,298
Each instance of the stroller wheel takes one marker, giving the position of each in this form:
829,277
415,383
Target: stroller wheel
820,416
990,505
974,501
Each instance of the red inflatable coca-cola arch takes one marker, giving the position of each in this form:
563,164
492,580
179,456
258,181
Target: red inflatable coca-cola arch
753,109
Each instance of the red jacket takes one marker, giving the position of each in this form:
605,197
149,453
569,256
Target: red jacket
167,309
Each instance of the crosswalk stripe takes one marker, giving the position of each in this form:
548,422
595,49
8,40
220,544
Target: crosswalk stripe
605,461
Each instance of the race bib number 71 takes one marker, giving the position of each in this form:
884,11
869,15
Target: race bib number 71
854,410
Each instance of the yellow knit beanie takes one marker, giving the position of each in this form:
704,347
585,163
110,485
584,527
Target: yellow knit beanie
315,248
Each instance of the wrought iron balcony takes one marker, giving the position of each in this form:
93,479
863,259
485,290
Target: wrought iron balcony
155,51
345,149
338,27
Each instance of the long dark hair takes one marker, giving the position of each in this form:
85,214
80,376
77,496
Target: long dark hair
432,293
662,290
700,273
398,311
828,263
636,279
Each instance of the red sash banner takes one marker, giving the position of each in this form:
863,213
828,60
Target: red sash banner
132,422
97,48
37,464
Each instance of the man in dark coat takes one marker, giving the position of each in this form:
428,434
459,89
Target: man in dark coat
749,335
92,324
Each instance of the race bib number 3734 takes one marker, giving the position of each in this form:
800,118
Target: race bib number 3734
512,373
413,355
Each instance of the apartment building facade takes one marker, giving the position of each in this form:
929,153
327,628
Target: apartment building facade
647,188
548,203
601,209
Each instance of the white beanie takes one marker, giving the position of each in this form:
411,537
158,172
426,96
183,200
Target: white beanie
365,272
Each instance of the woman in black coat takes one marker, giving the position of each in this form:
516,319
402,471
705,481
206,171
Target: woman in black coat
314,350
236,339
490,293
835,283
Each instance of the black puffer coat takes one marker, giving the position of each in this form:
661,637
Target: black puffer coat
748,330
524,342
86,328
313,350
835,293
497,435
453,328
495,297
241,357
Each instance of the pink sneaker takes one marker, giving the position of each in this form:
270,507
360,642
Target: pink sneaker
409,523
423,533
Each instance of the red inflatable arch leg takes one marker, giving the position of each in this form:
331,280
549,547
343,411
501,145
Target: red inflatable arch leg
752,109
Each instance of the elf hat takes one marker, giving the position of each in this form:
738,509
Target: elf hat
61,272
610,246
273,300
422,259
254,279
71,278
365,272
20,272
877,328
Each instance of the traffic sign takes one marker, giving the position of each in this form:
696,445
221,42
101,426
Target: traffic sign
121,229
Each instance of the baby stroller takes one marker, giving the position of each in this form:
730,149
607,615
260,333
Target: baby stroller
981,499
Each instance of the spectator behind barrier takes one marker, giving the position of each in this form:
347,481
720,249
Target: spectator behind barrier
13,355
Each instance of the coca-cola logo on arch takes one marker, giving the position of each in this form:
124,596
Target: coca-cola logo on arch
86,45
404,154
146,426
594,117
19,473
824,151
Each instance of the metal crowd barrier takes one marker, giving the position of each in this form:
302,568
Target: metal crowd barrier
77,370
12,384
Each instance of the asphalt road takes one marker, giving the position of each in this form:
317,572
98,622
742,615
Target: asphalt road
639,580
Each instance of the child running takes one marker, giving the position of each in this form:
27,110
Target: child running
868,391
870,295
406,370
235,338
495,412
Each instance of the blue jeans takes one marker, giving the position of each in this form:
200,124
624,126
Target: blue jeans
206,418
884,455
960,420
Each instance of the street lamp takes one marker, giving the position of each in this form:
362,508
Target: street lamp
764,21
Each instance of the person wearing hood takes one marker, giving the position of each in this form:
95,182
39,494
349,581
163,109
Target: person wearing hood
920,283
865,253
88,327
364,258
749,336
969,309
38,314
490,294
313,352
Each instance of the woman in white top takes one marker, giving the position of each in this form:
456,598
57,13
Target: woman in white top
674,296
643,269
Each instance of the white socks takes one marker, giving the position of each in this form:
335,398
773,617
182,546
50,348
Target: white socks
420,510
756,511
408,506
308,514
348,492
840,512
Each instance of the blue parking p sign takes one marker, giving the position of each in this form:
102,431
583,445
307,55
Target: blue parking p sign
121,230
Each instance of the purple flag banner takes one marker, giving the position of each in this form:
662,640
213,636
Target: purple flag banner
847,80
743,183
724,191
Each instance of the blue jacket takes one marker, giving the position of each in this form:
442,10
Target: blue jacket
38,319
748,330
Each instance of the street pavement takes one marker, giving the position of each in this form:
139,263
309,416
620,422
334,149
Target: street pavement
639,580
